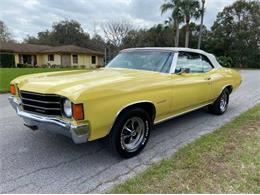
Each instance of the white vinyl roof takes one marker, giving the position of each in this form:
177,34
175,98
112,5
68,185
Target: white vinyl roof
211,57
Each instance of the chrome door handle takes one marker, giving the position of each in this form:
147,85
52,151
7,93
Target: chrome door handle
208,78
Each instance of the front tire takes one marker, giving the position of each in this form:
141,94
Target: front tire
130,132
220,106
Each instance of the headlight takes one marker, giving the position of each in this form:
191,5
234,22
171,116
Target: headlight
67,108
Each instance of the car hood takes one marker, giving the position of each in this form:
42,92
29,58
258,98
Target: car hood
75,84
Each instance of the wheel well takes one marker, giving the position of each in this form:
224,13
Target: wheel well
147,106
229,88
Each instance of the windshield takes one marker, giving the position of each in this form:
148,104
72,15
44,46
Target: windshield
159,61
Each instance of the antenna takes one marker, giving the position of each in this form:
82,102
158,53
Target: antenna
95,27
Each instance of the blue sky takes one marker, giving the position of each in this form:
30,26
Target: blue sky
25,17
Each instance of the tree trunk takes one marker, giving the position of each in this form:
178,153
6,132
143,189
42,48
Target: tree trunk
177,36
187,36
201,25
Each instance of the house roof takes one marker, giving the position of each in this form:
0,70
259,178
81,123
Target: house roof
22,48
71,49
33,48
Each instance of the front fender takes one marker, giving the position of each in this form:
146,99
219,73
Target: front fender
102,113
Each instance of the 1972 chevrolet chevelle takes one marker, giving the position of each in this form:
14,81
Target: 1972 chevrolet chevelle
137,89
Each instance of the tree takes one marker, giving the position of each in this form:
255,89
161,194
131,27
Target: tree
63,33
190,9
236,33
157,36
42,38
67,32
97,43
201,23
135,38
194,31
115,32
176,16
5,35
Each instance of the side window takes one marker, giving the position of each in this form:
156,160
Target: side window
167,66
189,60
206,64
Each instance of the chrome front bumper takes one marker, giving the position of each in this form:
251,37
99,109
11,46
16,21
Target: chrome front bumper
79,134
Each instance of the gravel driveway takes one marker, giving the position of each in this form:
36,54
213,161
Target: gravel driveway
35,162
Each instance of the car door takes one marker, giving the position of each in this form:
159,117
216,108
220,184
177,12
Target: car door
191,89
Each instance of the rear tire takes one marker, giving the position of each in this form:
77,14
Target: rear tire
130,132
220,106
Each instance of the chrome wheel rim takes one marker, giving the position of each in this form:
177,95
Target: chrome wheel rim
223,102
132,134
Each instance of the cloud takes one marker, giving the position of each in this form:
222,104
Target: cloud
213,7
31,16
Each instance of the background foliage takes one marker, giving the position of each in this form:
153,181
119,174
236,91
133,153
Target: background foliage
234,37
7,60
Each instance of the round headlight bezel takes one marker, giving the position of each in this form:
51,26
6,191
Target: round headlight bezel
67,108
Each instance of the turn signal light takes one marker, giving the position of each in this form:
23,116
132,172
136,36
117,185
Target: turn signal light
78,111
12,89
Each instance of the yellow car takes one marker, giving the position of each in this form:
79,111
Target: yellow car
139,88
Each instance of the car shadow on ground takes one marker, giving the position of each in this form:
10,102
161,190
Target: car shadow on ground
101,147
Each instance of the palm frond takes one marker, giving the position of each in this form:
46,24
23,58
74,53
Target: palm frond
166,7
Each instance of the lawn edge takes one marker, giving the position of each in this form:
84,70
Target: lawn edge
240,120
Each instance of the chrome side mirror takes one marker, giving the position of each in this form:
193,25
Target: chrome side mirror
183,70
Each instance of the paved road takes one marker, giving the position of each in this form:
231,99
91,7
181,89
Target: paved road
35,162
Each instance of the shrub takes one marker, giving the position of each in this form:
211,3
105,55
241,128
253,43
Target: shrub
7,60
24,65
53,66
100,66
225,61
44,66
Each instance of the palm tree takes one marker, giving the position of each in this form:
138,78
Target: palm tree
190,9
201,23
169,22
173,5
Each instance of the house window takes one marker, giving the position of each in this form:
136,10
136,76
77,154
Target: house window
51,57
75,59
27,59
93,60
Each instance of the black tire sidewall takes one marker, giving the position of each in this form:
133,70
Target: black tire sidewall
115,139
225,92
215,108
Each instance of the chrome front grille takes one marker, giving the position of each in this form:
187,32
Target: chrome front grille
41,103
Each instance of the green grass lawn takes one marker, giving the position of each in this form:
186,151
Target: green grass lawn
225,161
8,74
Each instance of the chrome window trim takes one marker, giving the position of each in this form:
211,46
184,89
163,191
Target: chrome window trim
210,62
211,57
175,51
174,62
